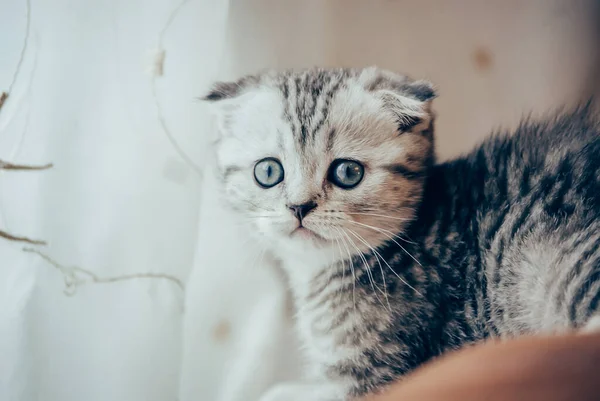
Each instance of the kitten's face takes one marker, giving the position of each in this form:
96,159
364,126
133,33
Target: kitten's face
324,163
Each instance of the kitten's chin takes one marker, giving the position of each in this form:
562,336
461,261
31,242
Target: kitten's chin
306,234
306,246
300,244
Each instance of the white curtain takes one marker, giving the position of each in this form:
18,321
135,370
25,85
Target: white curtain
146,289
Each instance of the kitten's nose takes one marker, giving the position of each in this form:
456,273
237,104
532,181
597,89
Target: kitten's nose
300,211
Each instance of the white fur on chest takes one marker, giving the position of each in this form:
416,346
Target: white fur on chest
324,348
325,341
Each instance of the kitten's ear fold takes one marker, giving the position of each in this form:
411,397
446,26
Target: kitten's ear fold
408,100
230,90
222,90
225,98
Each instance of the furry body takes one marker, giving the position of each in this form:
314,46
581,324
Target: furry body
419,258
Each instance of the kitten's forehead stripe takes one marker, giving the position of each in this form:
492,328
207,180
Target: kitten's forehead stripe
290,104
325,111
330,139
307,99
286,102
301,106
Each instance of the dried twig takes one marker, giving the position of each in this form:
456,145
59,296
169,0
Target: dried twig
3,97
10,237
76,276
10,166
158,71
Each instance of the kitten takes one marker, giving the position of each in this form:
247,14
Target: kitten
393,259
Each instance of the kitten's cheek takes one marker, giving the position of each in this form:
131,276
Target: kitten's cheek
267,229
261,227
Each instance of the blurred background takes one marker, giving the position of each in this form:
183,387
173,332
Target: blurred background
145,289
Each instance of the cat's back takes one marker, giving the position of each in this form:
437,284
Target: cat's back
540,155
569,130
539,223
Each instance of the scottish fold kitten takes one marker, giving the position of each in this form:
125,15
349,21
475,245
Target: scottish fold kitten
392,258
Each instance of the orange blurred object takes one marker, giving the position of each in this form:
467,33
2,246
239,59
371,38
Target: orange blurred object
561,368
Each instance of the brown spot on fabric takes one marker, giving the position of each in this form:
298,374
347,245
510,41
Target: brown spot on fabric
222,331
483,59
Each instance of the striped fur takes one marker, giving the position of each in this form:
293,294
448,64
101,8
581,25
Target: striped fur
420,258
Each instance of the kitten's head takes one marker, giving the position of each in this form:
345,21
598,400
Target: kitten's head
324,161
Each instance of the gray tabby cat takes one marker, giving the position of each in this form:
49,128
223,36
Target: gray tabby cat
393,259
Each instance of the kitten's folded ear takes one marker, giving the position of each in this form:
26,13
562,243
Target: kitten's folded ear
222,90
230,90
225,98
408,100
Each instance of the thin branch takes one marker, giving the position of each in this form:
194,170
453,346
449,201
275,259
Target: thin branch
76,276
24,47
3,97
158,71
10,237
10,166
21,136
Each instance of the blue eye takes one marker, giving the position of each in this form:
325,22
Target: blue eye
268,172
346,173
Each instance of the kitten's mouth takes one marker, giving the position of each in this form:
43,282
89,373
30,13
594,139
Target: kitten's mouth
306,233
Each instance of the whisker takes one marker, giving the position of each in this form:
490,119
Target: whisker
393,271
367,267
262,217
331,271
383,230
254,205
258,257
377,257
343,262
378,215
391,238
351,267
332,257
378,211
